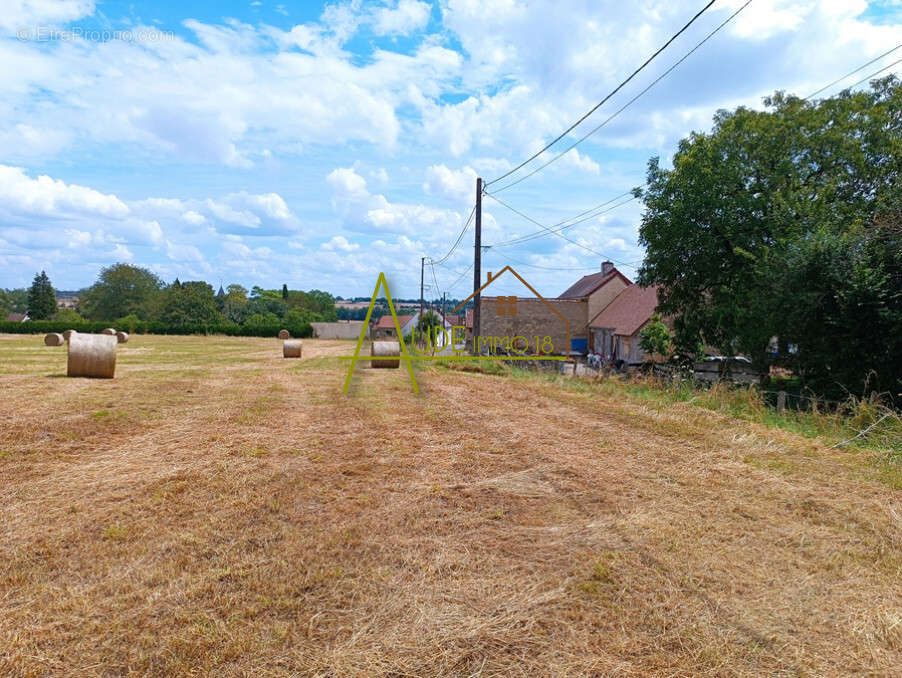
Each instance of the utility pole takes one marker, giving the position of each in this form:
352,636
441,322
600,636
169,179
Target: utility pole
443,307
477,263
422,300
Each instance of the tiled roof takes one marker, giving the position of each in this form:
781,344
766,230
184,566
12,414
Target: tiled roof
16,318
386,322
629,311
589,283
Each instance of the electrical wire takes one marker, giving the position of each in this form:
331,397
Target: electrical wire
557,233
461,277
875,73
627,104
547,268
863,66
517,239
609,95
541,234
459,237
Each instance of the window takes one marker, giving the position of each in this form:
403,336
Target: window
507,305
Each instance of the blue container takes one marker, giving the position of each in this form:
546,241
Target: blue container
579,345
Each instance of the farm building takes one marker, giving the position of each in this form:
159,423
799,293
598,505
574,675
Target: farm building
615,330
534,316
384,328
342,329
17,318
598,289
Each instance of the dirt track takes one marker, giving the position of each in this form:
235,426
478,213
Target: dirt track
219,510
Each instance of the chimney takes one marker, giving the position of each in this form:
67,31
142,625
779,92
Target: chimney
607,267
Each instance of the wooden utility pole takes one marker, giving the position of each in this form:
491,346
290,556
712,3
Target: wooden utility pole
477,263
443,307
422,300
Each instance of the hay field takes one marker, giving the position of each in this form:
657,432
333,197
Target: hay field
219,511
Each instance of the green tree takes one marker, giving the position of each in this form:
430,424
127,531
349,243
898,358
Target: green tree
121,290
68,315
235,304
190,303
41,298
6,304
733,232
285,292
18,299
655,338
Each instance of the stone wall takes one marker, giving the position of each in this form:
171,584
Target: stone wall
339,330
533,318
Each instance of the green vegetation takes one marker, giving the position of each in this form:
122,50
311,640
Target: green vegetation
655,338
41,298
136,300
787,223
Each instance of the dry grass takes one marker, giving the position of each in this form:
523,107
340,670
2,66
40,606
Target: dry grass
216,510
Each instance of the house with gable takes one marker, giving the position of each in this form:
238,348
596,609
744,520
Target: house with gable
596,291
615,330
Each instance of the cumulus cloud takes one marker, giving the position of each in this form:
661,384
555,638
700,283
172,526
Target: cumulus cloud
455,185
406,17
52,197
18,14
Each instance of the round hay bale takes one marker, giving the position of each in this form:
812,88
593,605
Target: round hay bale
53,339
122,337
110,331
385,354
291,348
284,334
92,355
67,334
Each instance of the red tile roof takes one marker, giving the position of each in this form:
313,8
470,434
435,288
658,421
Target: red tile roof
453,319
16,318
386,322
629,311
590,283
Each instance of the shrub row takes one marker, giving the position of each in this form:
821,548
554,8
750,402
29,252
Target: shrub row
147,327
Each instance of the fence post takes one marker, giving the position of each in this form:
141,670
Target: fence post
781,401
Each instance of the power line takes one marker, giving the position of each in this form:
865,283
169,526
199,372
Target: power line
459,237
863,66
627,104
460,277
548,268
612,93
877,72
557,233
560,223
541,234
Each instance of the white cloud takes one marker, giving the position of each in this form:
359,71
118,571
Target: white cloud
193,217
406,17
455,185
340,243
18,14
43,195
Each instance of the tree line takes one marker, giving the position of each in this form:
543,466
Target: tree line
778,235
131,297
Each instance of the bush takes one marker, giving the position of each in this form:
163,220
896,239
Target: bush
155,327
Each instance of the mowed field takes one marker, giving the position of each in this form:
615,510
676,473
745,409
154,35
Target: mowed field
218,510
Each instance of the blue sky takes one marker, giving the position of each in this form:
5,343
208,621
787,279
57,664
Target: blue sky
318,144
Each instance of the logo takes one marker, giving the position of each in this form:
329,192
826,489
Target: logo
509,312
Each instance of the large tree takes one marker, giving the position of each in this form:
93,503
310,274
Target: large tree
190,303
767,226
41,298
121,290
